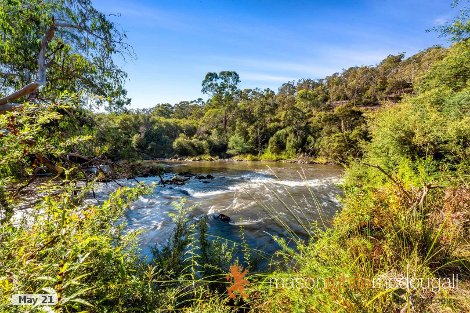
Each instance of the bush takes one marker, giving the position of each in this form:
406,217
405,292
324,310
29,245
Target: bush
277,143
80,252
200,147
343,147
335,147
184,146
217,143
293,145
238,145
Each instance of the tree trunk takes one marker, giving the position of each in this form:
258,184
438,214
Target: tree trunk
225,122
6,102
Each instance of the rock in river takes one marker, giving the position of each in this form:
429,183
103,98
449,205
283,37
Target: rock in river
224,218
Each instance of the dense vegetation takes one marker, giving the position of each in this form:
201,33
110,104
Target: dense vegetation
322,119
401,127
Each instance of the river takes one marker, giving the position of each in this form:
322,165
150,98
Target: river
260,198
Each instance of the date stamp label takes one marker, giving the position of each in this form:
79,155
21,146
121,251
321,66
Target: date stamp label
34,299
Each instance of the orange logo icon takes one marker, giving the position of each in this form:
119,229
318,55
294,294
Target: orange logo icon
238,281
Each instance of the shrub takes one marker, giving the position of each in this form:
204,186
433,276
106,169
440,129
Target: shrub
80,252
238,145
217,143
277,143
200,147
183,146
293,145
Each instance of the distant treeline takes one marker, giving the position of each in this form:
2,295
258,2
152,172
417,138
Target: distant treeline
323,119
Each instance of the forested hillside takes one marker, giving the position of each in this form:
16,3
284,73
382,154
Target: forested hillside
314,118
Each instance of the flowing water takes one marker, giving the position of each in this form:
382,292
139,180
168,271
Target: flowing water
260,198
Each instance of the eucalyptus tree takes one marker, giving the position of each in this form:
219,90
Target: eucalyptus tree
223,87
256,113
52,46
458,29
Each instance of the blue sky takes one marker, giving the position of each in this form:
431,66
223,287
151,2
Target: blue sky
266,42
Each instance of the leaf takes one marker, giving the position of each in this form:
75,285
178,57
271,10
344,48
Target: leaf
49,290
72,297
81,301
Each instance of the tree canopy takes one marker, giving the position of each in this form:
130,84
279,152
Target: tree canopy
457,29
49,47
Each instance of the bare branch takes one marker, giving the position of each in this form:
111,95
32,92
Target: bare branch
85,29
33,178
9,107
26,90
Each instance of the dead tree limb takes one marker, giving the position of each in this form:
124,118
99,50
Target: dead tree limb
49,164
9,107
30,181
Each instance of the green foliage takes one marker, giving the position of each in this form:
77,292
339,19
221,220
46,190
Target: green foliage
36,135
183,146
404,208
430,131
190,259
223,84
277,143
406,194
80,252
323,118
114,134
136,135
217,143
452,72
79,56
459,28
237,145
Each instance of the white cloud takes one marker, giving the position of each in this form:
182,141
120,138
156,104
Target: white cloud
441,20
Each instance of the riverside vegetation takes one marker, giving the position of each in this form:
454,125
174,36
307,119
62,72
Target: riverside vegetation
401,129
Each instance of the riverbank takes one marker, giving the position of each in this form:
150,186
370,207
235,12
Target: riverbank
156,167
302,159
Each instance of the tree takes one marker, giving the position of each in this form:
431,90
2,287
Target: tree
453,71
256,113
459,28
223,87
70,41
188,109
238,145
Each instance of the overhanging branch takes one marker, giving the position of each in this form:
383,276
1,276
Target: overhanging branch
9,107
389,176
26,90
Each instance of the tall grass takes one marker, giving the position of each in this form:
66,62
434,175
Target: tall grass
82,253
381,236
